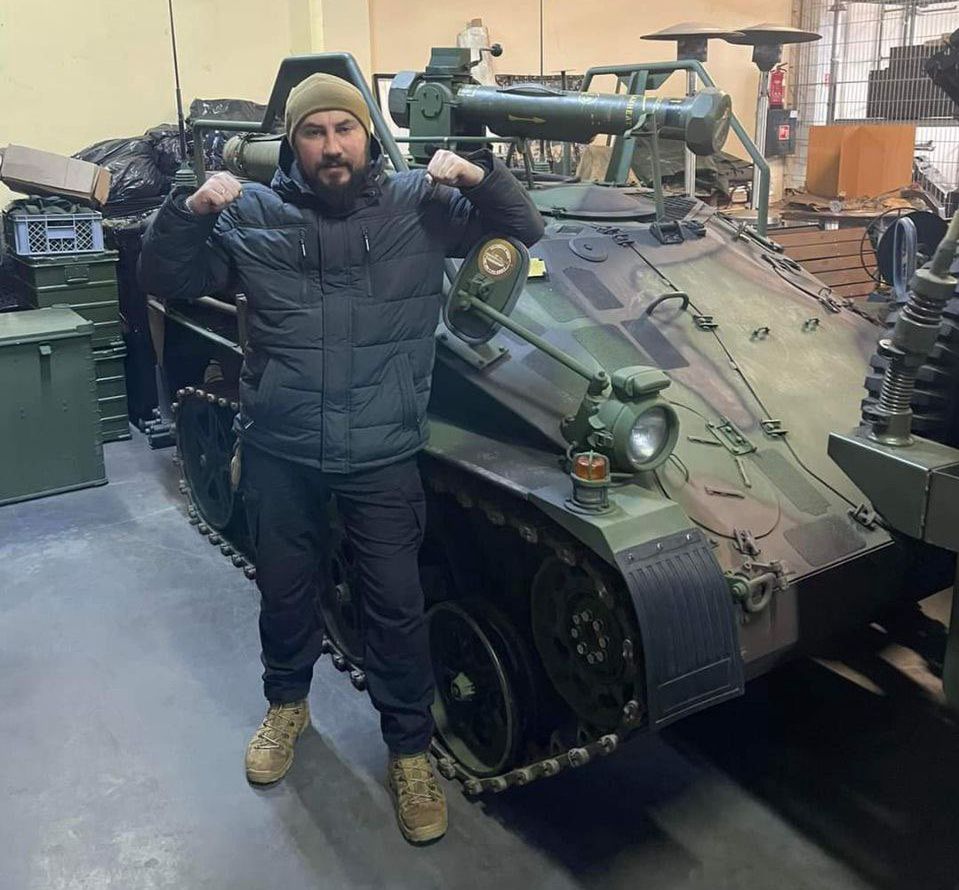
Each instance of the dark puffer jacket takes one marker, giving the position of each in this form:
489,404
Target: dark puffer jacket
343,309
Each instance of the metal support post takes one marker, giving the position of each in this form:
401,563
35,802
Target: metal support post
833,63
690,166
762,113
567,168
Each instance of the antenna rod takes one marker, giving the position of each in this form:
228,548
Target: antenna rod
179,98
541,39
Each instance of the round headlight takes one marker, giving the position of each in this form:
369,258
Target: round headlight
649,434
643,432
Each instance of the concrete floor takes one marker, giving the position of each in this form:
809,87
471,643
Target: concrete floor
130,685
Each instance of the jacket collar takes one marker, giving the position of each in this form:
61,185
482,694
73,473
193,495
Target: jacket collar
289,183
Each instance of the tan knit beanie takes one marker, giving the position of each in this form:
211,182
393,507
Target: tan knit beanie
324,92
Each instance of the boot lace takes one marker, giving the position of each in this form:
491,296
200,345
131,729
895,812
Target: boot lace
415,781
277,727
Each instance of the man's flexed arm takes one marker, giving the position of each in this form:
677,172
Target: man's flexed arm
479,196
183,256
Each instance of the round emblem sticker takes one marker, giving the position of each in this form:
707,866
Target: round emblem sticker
497,258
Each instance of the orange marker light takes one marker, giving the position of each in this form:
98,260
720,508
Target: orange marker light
591,467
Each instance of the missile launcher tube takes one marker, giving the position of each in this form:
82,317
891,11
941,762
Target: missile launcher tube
702,120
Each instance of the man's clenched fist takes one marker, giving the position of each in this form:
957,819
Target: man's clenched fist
448,168
216,194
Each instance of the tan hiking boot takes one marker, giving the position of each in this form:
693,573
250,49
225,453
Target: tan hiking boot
270,752
419,800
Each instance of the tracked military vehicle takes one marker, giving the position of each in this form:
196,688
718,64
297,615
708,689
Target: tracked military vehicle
631,508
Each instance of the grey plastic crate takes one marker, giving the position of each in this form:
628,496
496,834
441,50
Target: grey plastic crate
46,234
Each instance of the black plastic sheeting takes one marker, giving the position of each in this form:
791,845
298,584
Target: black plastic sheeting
142,167
134,171
222,109
165,139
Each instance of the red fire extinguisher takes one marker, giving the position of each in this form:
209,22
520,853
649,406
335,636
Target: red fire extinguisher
777,86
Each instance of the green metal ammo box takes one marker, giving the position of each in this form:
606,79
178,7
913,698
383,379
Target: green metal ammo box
87,283
49,424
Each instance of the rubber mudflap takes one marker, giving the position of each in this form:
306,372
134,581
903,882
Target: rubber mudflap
688,625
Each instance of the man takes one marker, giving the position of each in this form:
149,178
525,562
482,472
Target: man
342,266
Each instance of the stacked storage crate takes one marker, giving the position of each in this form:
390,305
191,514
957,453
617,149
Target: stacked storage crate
60,260
50,440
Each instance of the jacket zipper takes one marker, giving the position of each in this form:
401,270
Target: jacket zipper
367,262
304,268
321,251
321,258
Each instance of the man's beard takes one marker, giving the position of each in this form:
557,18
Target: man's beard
340,197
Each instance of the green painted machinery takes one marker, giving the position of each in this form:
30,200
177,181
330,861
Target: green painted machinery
631,506
443,101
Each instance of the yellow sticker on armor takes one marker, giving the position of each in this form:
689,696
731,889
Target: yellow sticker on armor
537,267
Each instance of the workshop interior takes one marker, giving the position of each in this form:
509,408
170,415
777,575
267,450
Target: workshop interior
690,482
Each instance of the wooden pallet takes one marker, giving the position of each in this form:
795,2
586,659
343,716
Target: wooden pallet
841,258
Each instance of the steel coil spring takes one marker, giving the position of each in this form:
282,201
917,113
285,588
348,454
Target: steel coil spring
898,384
924,309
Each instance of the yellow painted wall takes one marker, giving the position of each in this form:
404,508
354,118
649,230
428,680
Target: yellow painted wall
73,72
578,34
346,28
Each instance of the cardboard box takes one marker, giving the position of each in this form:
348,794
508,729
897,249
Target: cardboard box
35,172
859,160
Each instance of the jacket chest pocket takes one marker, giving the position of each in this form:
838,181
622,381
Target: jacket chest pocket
389,256
274,263
282,247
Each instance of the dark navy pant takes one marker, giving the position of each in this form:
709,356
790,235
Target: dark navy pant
383,512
